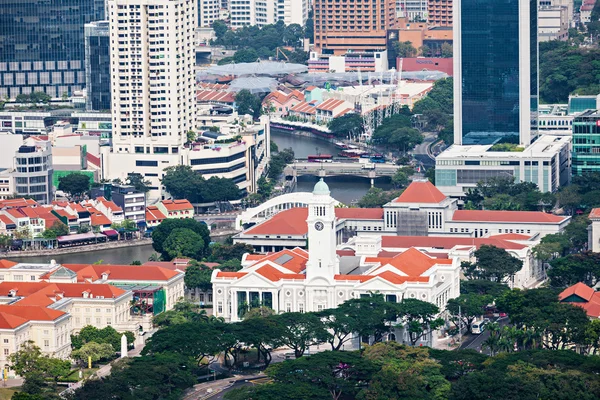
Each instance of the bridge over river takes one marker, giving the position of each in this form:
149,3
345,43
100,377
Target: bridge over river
340,167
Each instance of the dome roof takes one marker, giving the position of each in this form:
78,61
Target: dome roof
321,188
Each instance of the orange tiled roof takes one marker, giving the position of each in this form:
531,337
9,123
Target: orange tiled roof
92,159
7,263
536,217
595,213
287,222
304,108
215,95
16,203
177,205
359,213
109,204
154,214
511,236
330,104
119,272
296,264
412,262
99,219
29,313
228,274
274,275
6,220
421,192
591,297
10,321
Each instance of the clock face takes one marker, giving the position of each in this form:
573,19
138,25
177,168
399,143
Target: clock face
319,226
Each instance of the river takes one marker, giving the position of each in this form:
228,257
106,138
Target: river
345,189
122,255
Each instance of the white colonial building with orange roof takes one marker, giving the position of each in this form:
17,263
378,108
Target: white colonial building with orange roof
321,277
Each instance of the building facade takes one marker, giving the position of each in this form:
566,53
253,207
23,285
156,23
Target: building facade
439,12
412,10
553,23
344,26
546,162
97,66
265,12
33,171
586,142
42,45
495,71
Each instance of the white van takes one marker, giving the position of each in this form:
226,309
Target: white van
478,326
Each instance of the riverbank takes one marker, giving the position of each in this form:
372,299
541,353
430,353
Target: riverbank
80,249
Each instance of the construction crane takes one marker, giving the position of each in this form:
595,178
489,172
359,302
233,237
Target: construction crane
278,51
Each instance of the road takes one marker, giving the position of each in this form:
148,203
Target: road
475,342
421,152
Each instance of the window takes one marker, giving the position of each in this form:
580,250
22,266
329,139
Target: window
288,307
219,307
5,340
146,163
18,277
46,332
6,351
32,277
108,321
46,343
301,307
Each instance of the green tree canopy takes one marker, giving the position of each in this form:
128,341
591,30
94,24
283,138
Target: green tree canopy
96,351
184,183
248,103
166,227
183,242
377,197
347,124
75,184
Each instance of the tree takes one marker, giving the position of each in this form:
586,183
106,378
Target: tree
340,373
183,242
57,229
197,276
36,368
446,50
93,350
182,182
568,198
293,34
574,268
26,359
223,252
495,263
262,333
181,313
23,98
248,103
299,331
137,181
467,307
371,316
75,184
166,227
483,287
220,28
376,198
405,49
400,179
404,373
107,335
40,97
347,125
219,189
420,318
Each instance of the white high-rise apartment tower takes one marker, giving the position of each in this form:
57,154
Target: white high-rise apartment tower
152,74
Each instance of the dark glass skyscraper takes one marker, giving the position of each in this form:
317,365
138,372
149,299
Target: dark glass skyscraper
42,45
97,65
495,70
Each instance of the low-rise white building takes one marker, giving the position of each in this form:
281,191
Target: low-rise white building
546,162
318,278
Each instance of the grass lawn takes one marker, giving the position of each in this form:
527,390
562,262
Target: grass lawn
6,393
75,374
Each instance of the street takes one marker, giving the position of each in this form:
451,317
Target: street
475,342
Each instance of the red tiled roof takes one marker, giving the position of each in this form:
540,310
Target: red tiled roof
274,275
16,203
6,220
7,263
293,221
109,204
227,274
445,242
421,192
92,159
29,313
154,214
360,278
64,213
9,321
303,108
359,213
594,214
311,88
397,279
344,112
536,217
579,289
15,212
330,104
177,205
412,262
121,272
345,253
99,219
287,222
207,96
296,264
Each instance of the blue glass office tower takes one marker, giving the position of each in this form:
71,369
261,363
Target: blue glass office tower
97,65
42,45
495,71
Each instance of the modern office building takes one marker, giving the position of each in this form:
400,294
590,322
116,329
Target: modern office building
546,162
495,71
348,26
42,45
412,10
586,142
33,171
439,12
264,12
208,12
97,66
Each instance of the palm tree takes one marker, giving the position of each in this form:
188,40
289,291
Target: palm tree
492,342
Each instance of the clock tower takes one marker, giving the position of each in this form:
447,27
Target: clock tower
322,258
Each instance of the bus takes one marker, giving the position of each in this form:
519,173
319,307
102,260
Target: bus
377,158
478,326
320,158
